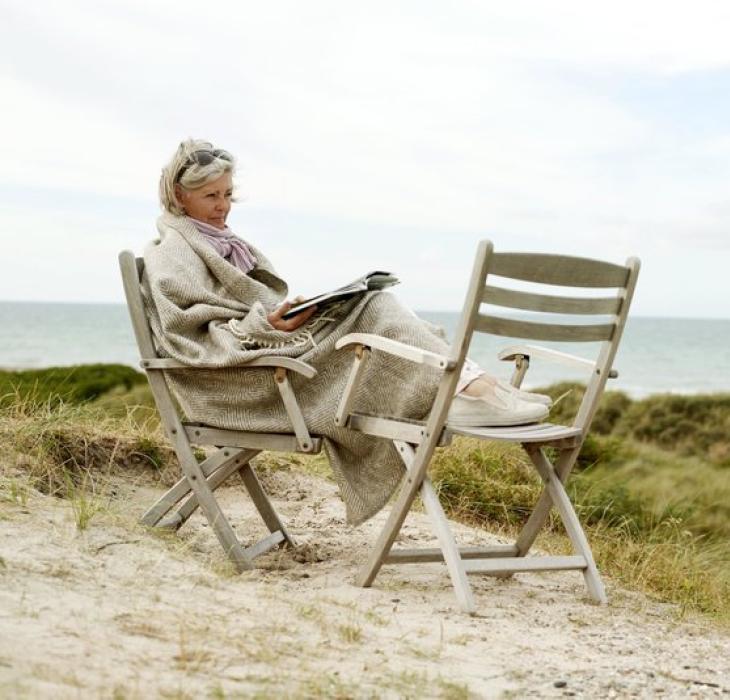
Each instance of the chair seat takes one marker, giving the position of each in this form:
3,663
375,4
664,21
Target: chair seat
414,431
535,432
201,434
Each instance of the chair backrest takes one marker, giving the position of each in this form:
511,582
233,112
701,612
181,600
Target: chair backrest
554,270
132,269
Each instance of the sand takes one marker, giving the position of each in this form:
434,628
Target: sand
116,611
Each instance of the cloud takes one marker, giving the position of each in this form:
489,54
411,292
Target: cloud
412,128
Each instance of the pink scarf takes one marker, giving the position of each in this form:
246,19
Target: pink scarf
227,244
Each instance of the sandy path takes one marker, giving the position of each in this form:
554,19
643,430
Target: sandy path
117,612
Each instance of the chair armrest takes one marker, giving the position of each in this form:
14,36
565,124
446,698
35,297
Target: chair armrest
272,361
395,347
513,351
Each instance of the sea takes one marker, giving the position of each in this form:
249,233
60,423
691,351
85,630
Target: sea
657,355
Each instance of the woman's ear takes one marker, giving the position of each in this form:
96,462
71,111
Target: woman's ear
180,194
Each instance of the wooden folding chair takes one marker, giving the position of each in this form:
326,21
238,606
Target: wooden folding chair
416,442
235,448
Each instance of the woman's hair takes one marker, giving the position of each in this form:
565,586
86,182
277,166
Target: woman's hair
194,164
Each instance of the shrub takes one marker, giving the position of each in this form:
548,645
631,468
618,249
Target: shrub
74,384
568,396
692,425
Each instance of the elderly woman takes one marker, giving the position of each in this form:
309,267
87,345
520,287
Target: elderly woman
216,302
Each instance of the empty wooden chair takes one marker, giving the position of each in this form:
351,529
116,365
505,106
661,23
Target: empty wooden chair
234,449
416,442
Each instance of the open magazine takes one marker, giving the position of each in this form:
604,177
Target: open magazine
373,280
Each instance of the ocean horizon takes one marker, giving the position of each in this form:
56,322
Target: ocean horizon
657,354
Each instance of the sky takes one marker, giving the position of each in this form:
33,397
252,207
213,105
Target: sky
380,135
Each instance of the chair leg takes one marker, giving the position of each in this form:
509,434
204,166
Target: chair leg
212,510
393,524
216,468
560,499
232,464
441,528
262,502
234,461
544,504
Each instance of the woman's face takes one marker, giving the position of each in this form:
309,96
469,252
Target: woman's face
209,203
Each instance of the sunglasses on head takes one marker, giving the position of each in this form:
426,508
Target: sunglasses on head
203,157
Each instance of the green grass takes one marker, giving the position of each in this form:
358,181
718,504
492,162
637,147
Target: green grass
63,448
652,483
70,384
696,425
657,522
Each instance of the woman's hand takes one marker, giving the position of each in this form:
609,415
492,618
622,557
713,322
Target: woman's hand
290,324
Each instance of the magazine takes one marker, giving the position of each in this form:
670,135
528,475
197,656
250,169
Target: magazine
373,280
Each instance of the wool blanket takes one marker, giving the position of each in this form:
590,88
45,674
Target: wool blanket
207,313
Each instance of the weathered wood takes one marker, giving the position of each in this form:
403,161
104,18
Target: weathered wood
604,363
263,504
293,411
171,422
432,554
182,487
394,347
497,325
562,270
443,533
393,429
264,545
281,442
566,439
190,505
522,364
548,303
541,511
514,565
586,412
434,426
515,352
290,363
348,395
202,479
535,433
562,503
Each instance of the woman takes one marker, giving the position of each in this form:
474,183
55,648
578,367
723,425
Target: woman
215,302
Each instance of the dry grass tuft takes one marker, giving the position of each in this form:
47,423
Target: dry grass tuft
65,448
662,530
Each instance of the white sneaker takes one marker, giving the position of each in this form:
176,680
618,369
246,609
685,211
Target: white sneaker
526,395
500,408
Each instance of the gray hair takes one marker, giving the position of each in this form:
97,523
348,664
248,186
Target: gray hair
193,175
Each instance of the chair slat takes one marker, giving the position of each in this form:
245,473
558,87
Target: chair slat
515,564
548,303
427,554
539,433
561,270
392,428
543,331
201,435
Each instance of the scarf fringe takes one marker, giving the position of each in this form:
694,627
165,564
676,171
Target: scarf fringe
303,335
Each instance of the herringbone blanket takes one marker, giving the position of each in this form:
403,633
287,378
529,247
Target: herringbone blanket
207,313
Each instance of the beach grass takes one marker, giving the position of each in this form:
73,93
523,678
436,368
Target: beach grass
655,501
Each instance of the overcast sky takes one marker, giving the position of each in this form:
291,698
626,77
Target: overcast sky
390,135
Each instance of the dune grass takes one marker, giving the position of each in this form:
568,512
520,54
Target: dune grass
655,500
73,384
670,541
63,447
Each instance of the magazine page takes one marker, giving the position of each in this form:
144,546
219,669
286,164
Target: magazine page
377,279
